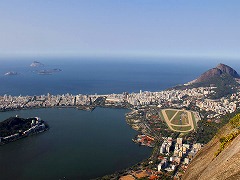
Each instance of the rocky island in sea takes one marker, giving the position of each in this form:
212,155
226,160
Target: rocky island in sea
11,73
15,128
36,64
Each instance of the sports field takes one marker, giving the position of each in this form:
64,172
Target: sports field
179,120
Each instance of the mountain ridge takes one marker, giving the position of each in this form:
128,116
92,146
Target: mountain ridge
219,70
224,79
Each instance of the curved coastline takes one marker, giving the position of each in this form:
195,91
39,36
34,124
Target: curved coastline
89,103
59,110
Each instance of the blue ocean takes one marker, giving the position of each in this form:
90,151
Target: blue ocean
100,75
82,144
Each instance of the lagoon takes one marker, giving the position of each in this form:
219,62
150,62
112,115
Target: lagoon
78,145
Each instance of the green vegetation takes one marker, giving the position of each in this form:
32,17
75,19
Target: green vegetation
182,118
13,125
235,121
161,116
225,84
170,113
207,130
185,119
181,128
226,140
178,122
178,115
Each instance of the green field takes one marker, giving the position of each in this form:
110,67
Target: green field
170,113
181,128
184,119
178,115
179,120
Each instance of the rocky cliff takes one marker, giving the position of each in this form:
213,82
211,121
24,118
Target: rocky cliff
217,72
226,165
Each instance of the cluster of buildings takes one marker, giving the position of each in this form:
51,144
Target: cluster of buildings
8,102
182,153
37,125
196,97
145,140
187,98
221,106
167,143
173,157
172,160
168,97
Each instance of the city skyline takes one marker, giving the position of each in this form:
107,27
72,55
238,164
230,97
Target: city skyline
120,28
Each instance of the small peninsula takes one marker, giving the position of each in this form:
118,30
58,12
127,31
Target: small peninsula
15,128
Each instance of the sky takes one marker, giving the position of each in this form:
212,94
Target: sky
201,28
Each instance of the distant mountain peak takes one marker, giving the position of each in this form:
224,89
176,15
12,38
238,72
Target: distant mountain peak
217,71
227,69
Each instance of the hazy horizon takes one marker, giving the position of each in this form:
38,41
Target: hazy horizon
120,28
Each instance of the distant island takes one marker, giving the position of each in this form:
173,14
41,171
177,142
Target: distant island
11,73
39,68
36,64
15,128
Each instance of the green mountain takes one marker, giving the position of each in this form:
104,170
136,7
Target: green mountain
12,125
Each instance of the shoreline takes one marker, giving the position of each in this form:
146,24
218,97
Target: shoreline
37,126
86,109
144,107
25,136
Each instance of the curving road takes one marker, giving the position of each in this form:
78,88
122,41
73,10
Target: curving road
168,121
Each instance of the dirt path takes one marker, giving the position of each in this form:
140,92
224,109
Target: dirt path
170,124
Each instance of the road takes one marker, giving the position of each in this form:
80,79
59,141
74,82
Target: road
168,121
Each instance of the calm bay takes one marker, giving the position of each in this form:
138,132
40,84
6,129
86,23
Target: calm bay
78,145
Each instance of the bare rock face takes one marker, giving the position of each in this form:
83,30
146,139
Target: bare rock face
225,166
209,74
218,71
226,69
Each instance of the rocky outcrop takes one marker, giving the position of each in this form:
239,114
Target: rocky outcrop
209,74
206,166
36,64
218,71
226,69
